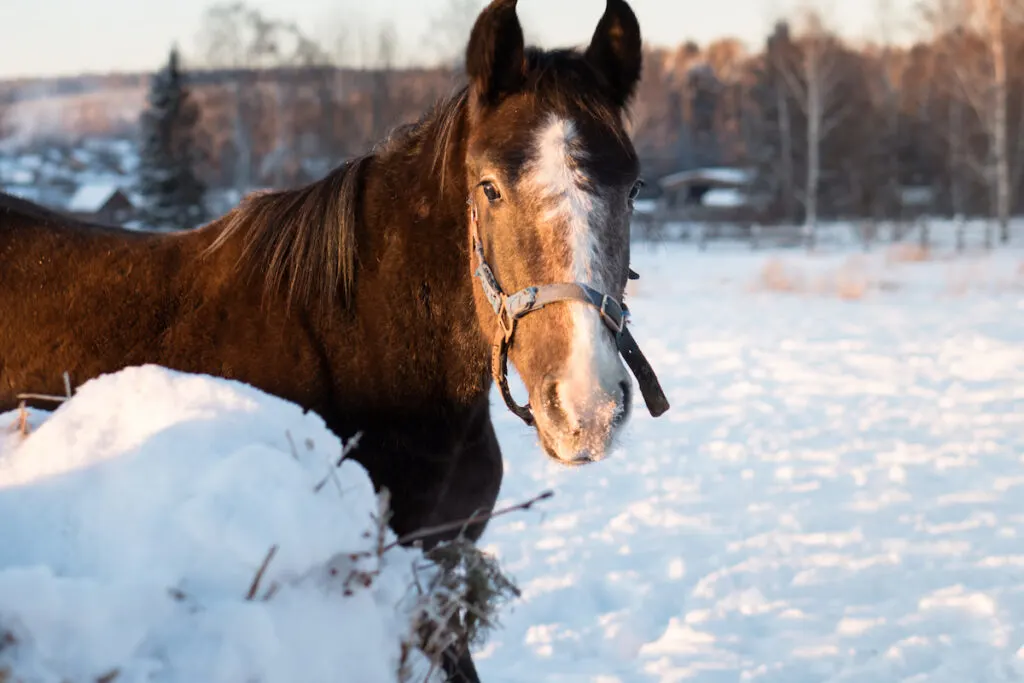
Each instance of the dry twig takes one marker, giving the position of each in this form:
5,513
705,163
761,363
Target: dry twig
346,451
23,419
255,586
42,397
463,523
291,444
22,423
109,677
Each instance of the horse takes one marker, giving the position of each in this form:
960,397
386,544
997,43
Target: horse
389,295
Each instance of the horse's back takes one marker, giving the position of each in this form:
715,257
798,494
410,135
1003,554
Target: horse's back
71,289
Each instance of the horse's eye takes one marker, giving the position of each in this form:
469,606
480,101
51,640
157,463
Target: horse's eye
634,192
490,191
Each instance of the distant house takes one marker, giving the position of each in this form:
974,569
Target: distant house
101,202
716,194
916,200
710,187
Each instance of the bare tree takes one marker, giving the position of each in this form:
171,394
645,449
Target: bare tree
975,34
449,30
994,21
888,92
6,106
778,59
815,81
237,36
382,57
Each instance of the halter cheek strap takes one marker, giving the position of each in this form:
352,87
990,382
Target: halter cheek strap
511,308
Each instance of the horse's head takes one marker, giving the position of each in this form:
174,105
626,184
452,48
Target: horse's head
551,179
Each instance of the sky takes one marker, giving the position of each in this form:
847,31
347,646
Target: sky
53,37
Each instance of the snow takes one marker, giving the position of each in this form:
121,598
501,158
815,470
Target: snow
28,192
724,198
135,519
645,206
723,175
836,493
20,176
91,197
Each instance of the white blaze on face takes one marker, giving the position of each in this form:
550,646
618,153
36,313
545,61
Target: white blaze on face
589,388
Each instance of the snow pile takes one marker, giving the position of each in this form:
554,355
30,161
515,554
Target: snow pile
136,518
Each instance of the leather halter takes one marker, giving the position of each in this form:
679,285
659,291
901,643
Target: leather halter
511,308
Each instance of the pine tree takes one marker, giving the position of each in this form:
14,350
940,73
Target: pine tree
171,191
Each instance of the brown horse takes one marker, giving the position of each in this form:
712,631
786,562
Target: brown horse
387,296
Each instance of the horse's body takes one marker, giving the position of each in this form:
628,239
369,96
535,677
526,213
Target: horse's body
355,296
405,363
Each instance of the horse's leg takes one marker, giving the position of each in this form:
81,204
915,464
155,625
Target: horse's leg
471,489
459,668
472,485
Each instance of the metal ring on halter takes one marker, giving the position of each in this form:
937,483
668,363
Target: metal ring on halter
510,308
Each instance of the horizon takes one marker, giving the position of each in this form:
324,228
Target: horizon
60,38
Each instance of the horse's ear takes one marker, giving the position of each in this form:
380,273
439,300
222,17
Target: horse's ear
495,56
616,50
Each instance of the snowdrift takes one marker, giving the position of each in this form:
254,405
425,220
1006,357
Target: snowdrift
135,521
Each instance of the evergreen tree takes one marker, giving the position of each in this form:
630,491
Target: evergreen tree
172,192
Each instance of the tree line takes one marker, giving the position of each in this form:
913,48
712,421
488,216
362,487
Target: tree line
830,129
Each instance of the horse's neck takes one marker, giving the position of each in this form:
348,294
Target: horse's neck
420,288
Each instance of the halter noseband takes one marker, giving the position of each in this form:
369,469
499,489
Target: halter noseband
510,308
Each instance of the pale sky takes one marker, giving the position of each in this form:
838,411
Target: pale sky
46,37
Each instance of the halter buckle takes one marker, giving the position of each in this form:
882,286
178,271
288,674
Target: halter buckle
506,320
615,324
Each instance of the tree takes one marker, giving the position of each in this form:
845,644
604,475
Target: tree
778,158
449,30
272,60
887,95
381,63
6,107
816,82
976,31
172,192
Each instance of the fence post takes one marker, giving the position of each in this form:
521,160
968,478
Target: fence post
961,243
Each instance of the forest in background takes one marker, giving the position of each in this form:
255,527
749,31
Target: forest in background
830,129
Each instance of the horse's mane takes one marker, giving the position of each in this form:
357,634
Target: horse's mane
304,239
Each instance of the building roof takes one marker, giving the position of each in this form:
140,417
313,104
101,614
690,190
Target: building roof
724,198
713,176
91,197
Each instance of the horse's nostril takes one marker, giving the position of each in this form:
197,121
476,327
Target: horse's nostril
552,403
551,394
623,408
626,388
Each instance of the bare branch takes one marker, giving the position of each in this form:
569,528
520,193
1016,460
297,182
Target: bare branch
346,452
460,524
42,397
255,585
449,30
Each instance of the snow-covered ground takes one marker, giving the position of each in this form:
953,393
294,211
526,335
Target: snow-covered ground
837,493
134,522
